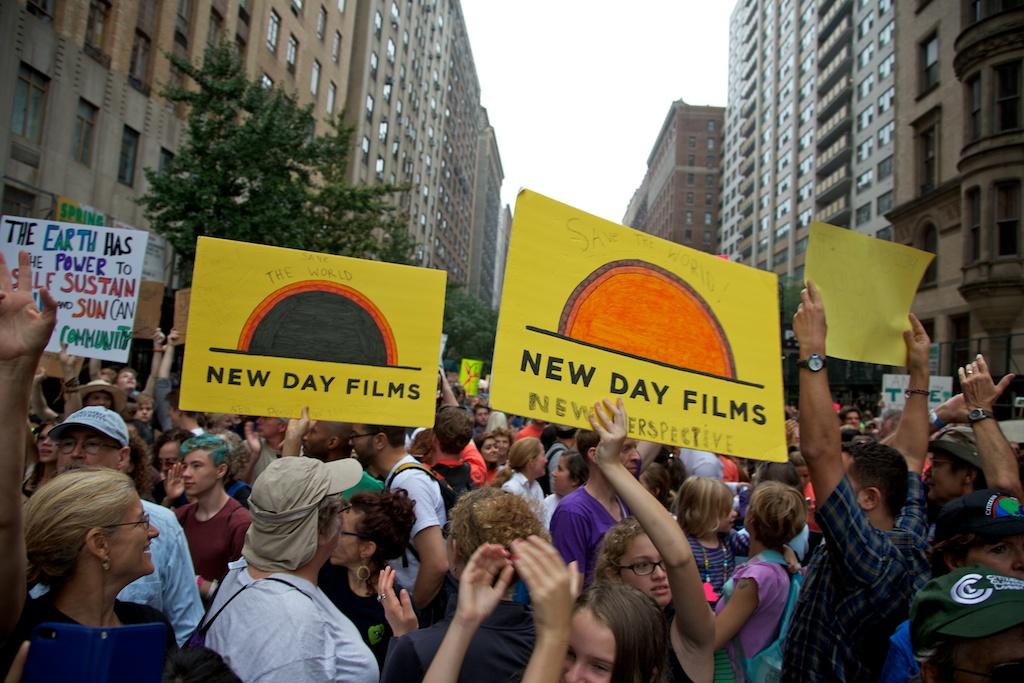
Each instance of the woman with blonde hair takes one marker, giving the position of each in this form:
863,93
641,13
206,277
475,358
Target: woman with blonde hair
86,538
526,464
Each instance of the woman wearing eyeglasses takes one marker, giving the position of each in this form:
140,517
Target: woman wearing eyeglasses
86,538
375,528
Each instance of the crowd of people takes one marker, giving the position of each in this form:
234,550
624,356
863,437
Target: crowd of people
489,547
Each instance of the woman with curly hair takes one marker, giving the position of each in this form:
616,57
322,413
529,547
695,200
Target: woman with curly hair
375,528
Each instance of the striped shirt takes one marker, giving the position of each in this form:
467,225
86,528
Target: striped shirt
859,585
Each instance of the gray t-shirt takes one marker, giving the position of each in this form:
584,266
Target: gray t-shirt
273,632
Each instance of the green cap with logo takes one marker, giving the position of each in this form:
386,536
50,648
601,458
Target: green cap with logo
971,602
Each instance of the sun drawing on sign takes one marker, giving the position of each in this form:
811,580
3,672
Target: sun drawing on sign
638,309
318,320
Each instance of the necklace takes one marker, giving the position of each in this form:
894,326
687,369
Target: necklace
709,589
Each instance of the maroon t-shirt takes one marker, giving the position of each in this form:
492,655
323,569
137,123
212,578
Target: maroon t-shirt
216,541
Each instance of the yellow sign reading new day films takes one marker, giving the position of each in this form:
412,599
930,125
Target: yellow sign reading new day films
271,330
867,286
591,309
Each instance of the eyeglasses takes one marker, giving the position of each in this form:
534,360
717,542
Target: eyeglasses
144,522
643,568
353,437
1001,673
89,446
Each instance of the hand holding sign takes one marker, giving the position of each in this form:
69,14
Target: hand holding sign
24,329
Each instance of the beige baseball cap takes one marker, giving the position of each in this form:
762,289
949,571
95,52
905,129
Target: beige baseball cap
283,505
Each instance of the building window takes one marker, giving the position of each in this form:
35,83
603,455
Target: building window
1007,218
17,202
266,82
973,87
321,23
887,66
138,68
711,126
689,217
885,100
373,65
711,144
692,142
863,213
386,92
885,35
929,56
928,161
382,132
864,149
85,126
273,30
378,23
314,78
292,52
930,243
391,51
96,24
866,24
1007,96
689,198
884,233
884,203
865,118
864,58
885,168
973,214
336,47
885,134
865,86
369,107
707,237
332,92
215,32
129,154
341,5
865,179
29,104
707,218
296,7
165,161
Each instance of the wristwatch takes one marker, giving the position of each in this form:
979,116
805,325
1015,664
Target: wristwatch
979,414
814,362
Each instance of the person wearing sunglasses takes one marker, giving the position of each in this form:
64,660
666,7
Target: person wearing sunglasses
968,626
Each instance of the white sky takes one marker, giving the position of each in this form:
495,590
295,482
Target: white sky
577,90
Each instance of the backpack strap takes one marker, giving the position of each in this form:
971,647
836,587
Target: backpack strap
205,625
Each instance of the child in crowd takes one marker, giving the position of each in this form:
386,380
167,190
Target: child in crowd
704,509
749,615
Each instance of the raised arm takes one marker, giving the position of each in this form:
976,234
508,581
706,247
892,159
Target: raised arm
24,331
484,583
39,407
297,429
159,343
70,368
911,435
998,461
429,544
447,395
693,627
820,444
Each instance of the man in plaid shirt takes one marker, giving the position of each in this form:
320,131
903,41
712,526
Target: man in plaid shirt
871,510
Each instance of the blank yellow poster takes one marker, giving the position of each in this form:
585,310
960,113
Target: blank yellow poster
867,285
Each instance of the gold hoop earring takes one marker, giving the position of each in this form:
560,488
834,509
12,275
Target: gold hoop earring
363,573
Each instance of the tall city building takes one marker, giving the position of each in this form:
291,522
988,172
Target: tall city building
501,252
678,198
81,112
959,174
414,103
809,128
483,249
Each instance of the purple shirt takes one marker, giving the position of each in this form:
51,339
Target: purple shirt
772,593
577,527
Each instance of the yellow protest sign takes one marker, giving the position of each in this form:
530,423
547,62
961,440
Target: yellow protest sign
469,375
271,330
689,341
867,286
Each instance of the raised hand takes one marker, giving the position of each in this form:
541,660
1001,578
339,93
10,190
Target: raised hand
24,329
553,586
397,607
609,421
159,340
483,583
979,391
809,322
174,338
174,485
252,439
918,344
298,427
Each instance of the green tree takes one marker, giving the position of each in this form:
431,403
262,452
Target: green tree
251,169
469,324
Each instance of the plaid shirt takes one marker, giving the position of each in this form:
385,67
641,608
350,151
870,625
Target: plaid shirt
859,585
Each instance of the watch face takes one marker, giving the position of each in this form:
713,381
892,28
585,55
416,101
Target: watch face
815,363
